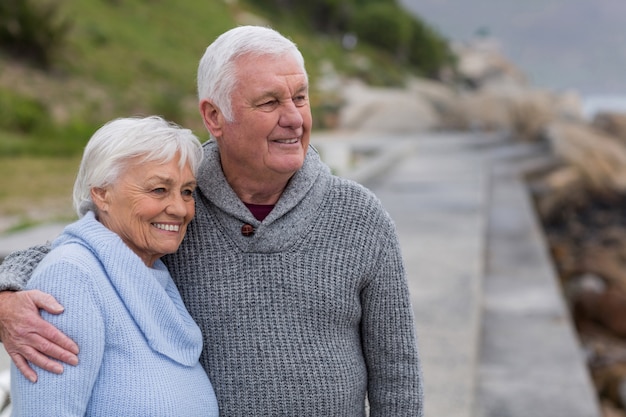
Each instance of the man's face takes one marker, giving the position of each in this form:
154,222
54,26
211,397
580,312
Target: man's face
269,135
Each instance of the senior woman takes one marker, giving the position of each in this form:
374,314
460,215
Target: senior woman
139,345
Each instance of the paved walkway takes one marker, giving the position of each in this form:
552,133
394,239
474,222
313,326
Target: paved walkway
437,201
495,337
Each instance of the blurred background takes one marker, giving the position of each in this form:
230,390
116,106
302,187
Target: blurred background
547,73
66,67
560,44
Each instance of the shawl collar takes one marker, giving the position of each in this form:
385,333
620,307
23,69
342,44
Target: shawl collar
149,294
290,218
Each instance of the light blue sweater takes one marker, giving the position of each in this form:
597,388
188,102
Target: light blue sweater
139,347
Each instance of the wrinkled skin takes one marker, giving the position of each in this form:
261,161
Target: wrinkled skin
29,338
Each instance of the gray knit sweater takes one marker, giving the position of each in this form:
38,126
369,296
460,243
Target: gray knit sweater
309,314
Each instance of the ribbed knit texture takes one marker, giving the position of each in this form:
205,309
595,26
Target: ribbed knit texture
308,314
14,266
139,346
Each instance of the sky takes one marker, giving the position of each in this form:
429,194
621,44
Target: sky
559,44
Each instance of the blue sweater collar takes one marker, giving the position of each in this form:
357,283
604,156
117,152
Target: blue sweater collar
148,293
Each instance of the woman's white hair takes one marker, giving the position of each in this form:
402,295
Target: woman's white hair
114,144
216,72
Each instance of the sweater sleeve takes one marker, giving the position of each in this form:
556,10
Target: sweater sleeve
395,386
67,394
17,268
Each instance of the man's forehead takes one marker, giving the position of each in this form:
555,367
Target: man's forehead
257,70
284,60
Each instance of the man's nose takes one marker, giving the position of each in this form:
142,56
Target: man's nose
290,116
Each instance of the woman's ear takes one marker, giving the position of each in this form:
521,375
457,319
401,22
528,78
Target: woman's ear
212,117
100,197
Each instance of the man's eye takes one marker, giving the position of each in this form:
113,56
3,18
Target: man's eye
270,104
300,100
160,190
187,193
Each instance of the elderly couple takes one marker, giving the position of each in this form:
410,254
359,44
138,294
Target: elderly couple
286,295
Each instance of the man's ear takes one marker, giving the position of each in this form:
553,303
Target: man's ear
212,117
100,197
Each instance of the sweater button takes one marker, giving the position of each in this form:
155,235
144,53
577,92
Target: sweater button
247,230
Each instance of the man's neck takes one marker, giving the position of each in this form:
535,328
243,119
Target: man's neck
253,188
258,192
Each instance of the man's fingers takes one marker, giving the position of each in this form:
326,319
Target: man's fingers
31,340
56,346
32,354
45,302
44,344
22,366
35,357
48,303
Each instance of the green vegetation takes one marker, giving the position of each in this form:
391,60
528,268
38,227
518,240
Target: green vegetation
117,58
32,31
34,188
68,66
386,33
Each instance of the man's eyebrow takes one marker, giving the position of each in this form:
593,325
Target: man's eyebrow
268,94
304,87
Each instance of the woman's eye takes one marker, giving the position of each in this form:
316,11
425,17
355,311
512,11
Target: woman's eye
159,190
187,193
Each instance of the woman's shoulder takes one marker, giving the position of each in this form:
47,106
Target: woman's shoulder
71,253
70,262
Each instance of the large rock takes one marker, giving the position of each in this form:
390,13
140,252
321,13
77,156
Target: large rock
612,123
524,113
497,95
481,110
481,62
599,157
440,97
493,96
385,109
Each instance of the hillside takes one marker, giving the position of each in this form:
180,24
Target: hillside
140,57
122,58
136,57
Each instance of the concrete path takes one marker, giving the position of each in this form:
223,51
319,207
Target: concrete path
438,201
495,337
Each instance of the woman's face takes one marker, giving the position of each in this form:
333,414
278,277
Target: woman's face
149,206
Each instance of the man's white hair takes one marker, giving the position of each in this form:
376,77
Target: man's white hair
217,74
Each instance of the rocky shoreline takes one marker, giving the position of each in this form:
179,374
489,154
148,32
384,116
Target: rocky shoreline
580,200
586,234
